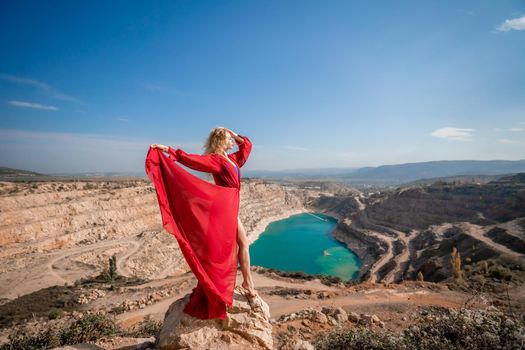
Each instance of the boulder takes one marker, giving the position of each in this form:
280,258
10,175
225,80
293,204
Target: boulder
246,326
318,316
352,316
369,319
337,314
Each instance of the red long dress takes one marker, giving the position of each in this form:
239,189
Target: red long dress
203,218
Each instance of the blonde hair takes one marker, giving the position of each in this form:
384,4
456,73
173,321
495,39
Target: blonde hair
216,141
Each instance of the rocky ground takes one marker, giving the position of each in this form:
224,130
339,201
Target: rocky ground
56,236
299,311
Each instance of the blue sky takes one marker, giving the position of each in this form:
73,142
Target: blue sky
87,86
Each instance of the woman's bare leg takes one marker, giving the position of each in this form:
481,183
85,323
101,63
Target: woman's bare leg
244,258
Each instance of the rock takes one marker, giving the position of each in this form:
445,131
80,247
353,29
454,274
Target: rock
327,310
340,315
352,316
318,316
335,315
243,328
306,323
323,295
369,319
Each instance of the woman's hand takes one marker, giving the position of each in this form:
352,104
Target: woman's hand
161,147
234,135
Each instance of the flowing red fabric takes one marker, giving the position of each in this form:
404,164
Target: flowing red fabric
203,218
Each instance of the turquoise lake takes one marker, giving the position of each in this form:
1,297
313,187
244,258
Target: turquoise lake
303,243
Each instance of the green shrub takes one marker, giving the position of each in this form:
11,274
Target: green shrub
88,328
117,310
443,329
501,273
145,329
359,338
54,314
22,339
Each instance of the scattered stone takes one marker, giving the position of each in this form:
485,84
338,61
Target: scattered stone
331,315
323,295
369,319
340,315
318,316
149,299
352,316
93,294
332,321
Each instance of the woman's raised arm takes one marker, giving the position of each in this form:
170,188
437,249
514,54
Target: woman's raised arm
245,148
209,163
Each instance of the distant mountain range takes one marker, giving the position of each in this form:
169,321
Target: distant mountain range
390,175
401,173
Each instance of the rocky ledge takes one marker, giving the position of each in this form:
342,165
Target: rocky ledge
247,326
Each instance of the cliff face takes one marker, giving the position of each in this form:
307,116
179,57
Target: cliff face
483,204
56,232
413,230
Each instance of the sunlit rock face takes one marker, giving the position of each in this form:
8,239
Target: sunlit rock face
247,326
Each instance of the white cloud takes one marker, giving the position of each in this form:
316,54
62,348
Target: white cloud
516,129
512,24
40,85
25,81
64,97
508,142
125,120
295,148
33,105
450,133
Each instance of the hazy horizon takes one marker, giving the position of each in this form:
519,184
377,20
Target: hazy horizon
251,171
87,87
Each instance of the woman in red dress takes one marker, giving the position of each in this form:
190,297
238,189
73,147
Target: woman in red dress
204,217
